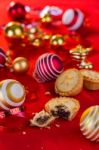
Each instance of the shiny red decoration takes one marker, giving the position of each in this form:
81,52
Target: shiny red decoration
17,11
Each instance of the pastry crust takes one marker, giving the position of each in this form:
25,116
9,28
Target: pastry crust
63,107
69,83
42,119
91,79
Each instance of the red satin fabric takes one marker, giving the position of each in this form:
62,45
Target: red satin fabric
14,131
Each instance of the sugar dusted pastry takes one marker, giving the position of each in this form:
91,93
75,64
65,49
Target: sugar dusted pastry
91,79
69,83
63,107
42,119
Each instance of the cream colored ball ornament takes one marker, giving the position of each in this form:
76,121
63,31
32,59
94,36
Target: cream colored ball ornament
89,123
12,94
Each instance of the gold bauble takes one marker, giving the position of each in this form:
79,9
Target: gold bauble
37,42
57,40
89,123
20,65
46,18
14,30
31,33
46,37
32,30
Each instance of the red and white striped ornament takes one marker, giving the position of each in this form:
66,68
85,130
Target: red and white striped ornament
73,19
89,123
48,67
2,58
12,94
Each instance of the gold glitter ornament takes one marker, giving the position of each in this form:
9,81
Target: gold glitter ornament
37,42
20,65
46,37
46,18
57,40
79,53
31,33
89,123
12,94
14,30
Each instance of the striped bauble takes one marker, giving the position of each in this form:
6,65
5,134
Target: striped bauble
73,19
12,94
47,67
2,58
89,123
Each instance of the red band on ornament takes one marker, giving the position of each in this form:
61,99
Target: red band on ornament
74,19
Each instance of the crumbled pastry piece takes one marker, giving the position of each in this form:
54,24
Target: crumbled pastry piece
42,119
63,107
47,93
91,79
69,83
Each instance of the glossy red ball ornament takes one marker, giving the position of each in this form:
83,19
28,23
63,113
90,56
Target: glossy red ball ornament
2,58
48,67
16,11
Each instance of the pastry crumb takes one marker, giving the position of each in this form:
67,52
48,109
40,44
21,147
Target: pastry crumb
57,125
47,93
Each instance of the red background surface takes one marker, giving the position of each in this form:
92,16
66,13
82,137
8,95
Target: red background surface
68,136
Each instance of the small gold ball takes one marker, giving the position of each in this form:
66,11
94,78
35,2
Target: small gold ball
33,30
14,30
57,40
46,18
46,37
20,65
37,42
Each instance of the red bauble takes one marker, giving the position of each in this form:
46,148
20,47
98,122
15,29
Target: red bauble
2,58
48,67
17,11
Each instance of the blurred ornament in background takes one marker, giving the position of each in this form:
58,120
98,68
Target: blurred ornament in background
12,94
79,53
20,65
48,66
89,123
52,10
73,19
57,40
14,30
46,18
32,33
37,42
50,14
46,37
2,58
16,11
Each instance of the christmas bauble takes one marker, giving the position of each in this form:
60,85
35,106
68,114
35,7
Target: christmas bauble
32,33
47,18
2,58
47,67
57,40
14,30
89,123
20,65
12,94
17,11
73,19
